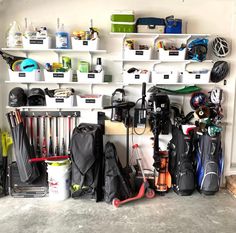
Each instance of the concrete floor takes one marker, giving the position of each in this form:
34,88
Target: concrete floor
171,213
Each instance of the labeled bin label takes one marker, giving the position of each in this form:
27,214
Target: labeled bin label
90,101
197,76
55,75
22,75
36,41
166,76
91,75
85,42
137,76
59,100
174,53
138,52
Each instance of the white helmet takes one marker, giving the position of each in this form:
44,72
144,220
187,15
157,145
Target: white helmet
216,96
220,47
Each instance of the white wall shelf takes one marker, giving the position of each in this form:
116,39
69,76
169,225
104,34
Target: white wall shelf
44,108
43,82
52,50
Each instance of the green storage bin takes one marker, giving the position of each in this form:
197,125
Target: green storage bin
123,27
123,16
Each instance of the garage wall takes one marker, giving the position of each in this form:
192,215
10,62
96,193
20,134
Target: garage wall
215,17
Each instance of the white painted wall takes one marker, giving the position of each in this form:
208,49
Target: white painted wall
216,17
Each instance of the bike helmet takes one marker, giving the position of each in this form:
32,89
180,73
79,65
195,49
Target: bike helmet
197,49
28,65
17,97
36,97
198,99
216,96
220,47
219,71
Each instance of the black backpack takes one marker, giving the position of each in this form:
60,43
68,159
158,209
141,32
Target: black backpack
116,183
181,162
87,161
209,159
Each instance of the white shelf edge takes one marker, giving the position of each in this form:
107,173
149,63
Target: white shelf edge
122,34
43,82
54,50
163,84
46,107
163,61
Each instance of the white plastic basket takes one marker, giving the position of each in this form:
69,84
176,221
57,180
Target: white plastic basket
172,55
39,43
196,77
92,101
90,77
60,102
169,77
85,45
130,54
19,76
146,29
133,78
55,77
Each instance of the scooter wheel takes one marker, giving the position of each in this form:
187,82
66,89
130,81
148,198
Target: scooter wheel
116,202
150,193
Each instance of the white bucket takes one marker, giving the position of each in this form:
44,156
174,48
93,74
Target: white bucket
59,179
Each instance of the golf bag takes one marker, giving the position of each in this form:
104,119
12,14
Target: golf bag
209,159
181,161
87,161
116,184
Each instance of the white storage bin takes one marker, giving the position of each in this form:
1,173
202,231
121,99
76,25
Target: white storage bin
85,45
196,77
172,55
135,78
131,54
20,76
171,77
59,102
58,76
92,101
147,29
39,43
90,77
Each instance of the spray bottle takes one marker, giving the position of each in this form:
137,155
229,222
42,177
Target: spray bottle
14,36
62,37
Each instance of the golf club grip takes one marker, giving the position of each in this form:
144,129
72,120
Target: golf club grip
50,149
9,121
44,146
143,89
38,151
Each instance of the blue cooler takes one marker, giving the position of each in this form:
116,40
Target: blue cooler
173,25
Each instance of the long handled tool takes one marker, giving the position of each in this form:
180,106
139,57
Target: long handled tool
32,152
6,143
57,140
38,150
69,133
50,149
63,145
44,146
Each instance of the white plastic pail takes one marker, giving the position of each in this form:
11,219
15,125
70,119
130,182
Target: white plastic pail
59,179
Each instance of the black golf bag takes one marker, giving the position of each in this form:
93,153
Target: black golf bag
116,184
181,162
209,159
87,161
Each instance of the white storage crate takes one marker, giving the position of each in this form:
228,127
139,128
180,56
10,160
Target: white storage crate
169,77
58,76
60,102
39,43
92,101
135,78
90,77
85,45
172,55
196,77
147,29
20,76
131,54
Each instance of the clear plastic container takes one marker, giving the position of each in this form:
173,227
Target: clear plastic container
14,36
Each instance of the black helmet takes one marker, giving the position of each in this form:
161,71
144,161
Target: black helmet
219,71
36,97
17,97
198,99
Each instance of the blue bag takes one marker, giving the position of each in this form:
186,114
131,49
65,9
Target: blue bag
173,25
